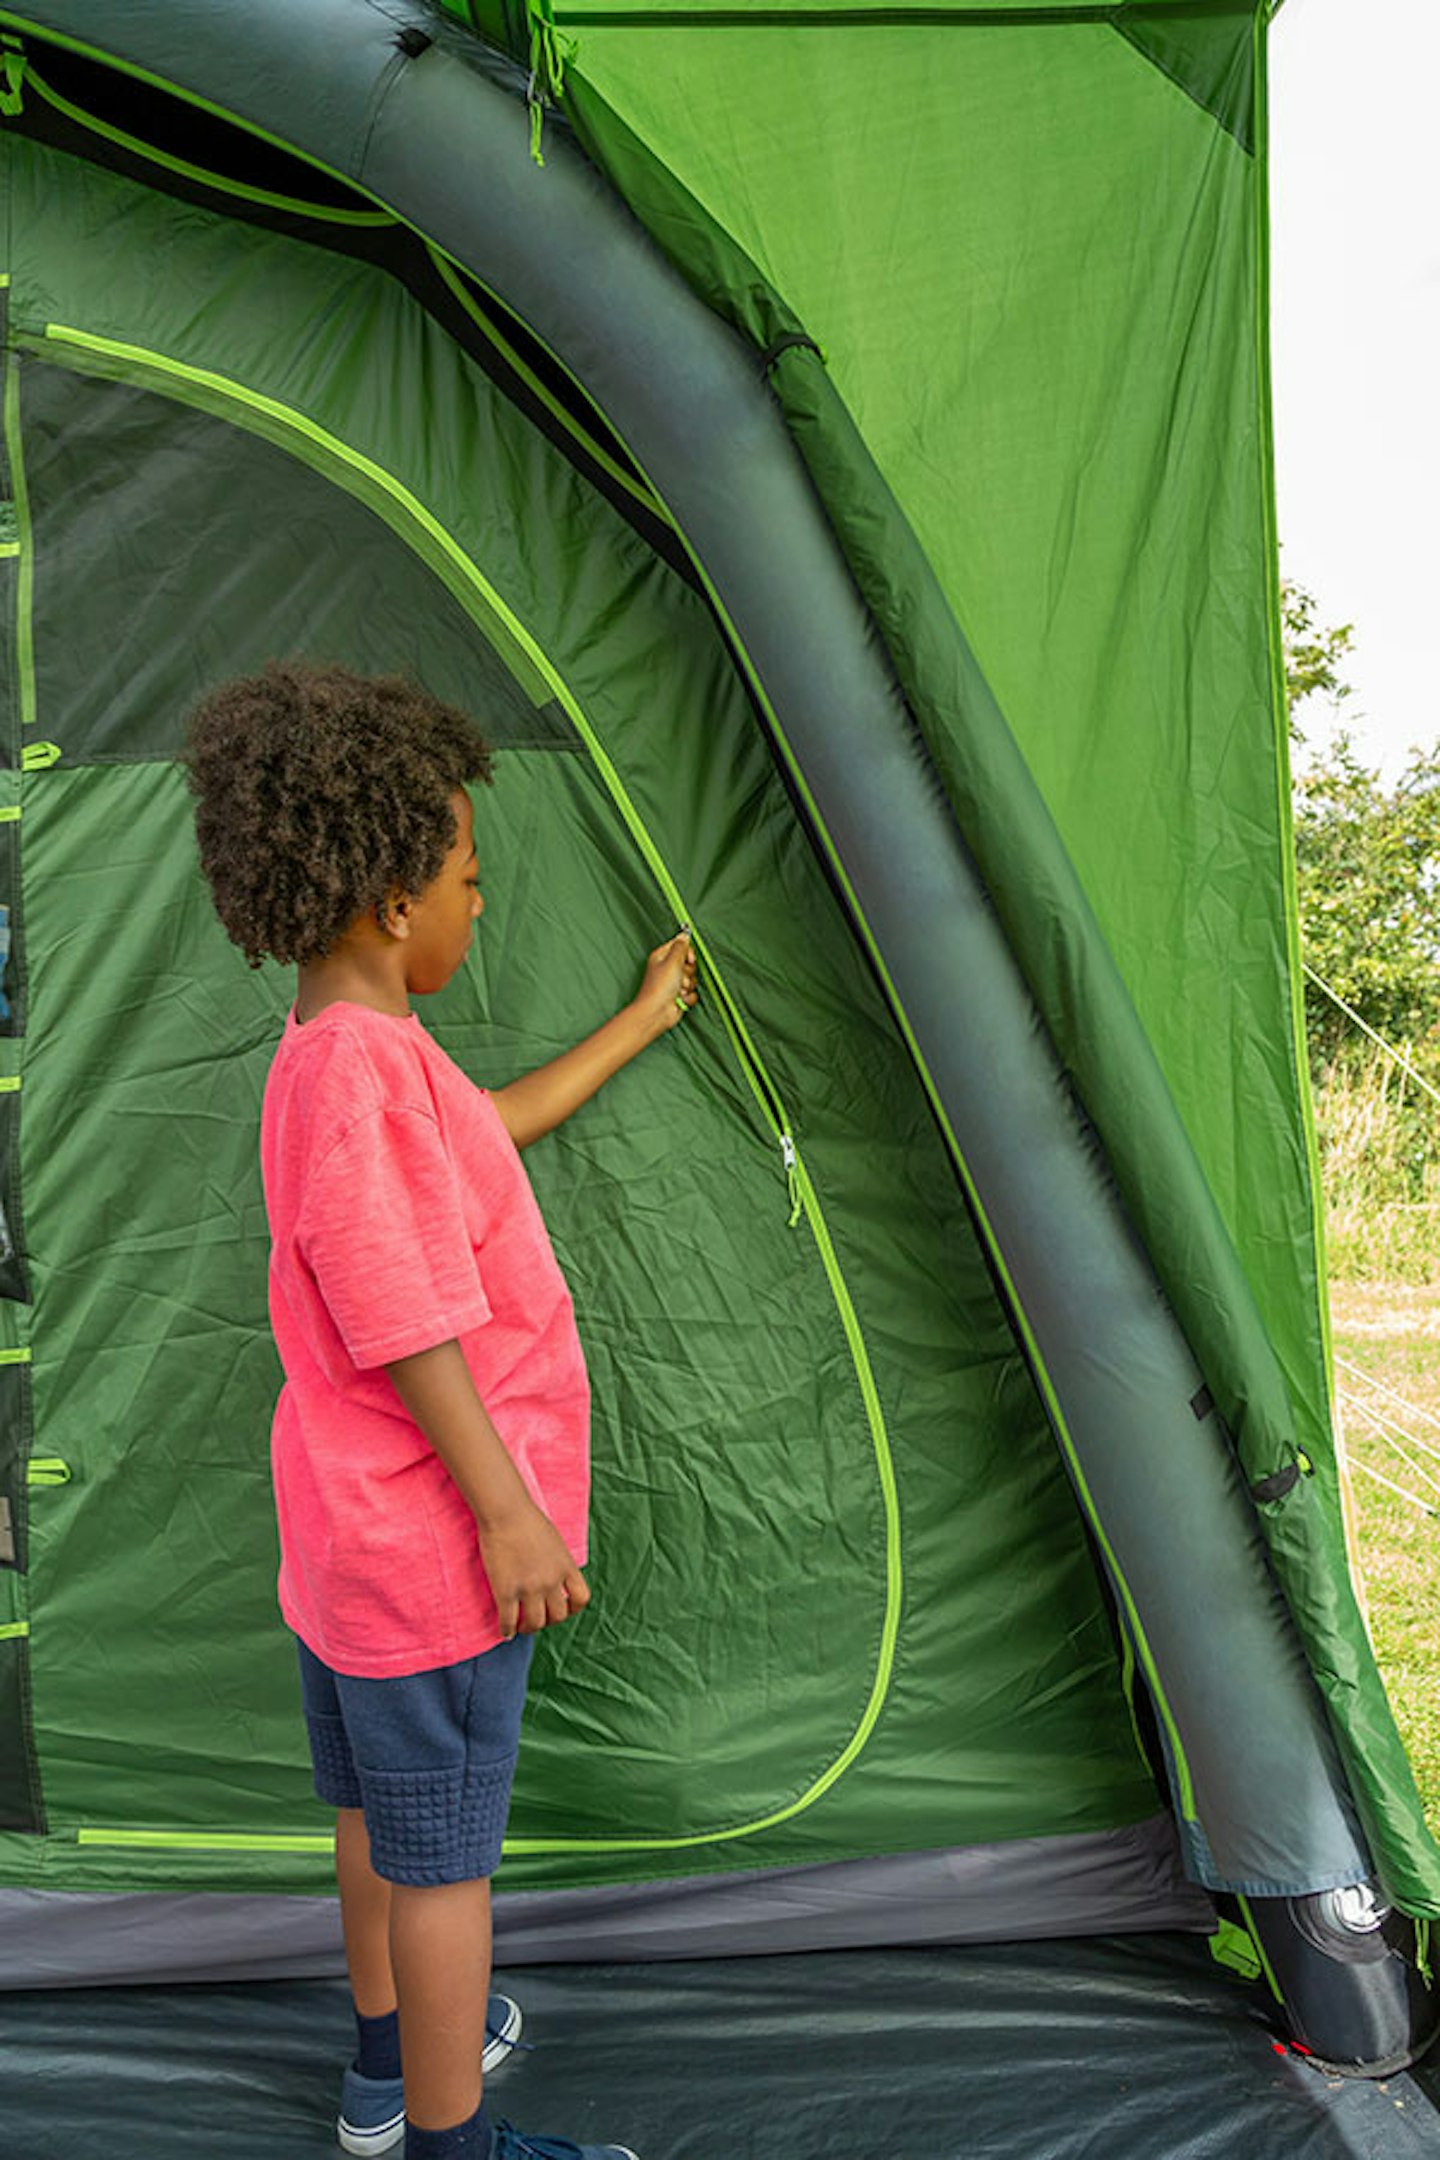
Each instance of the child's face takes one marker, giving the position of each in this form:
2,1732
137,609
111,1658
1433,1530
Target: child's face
442,917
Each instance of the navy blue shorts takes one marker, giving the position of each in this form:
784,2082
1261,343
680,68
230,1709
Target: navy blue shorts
428,1757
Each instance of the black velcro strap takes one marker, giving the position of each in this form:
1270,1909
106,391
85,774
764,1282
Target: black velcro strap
788,344
1277,1485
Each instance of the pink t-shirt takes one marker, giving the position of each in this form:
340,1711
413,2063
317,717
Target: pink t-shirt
400,1217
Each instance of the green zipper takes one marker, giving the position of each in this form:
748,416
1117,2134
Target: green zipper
409,517
210,1840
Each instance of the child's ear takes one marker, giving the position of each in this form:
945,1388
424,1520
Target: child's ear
393,915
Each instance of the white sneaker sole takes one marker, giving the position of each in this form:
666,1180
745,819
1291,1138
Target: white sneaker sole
365,2142
500,2039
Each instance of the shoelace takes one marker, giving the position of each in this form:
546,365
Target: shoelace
512,2144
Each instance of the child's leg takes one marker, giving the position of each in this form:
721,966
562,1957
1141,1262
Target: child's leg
440,1954
364,1917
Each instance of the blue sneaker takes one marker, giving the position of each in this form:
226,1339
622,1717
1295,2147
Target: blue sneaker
372,2110
512,2144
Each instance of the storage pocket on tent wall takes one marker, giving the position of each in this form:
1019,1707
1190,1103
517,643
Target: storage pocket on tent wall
13,1278
16,566
21,1805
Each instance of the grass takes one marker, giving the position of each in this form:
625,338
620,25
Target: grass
1388,1332
1380,1161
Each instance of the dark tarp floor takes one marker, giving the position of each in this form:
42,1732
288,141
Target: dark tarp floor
1107,2050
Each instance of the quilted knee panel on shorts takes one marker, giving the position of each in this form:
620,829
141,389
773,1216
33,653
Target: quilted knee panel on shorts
437,1826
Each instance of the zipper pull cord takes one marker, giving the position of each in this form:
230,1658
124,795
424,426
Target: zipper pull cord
550,52
791,1161
771,1108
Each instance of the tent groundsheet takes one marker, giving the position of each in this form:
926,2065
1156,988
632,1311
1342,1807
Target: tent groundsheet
1138,2050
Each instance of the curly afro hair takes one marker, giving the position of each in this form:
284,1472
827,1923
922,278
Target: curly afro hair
320,794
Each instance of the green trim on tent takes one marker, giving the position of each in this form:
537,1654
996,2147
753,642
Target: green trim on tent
204,1841
1279,702
263,198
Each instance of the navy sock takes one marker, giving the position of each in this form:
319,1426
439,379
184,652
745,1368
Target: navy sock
378,2052
467,2141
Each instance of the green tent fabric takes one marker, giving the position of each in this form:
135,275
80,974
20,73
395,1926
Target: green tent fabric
993,280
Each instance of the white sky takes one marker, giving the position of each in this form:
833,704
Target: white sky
1355,336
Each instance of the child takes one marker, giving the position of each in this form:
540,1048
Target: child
430,1445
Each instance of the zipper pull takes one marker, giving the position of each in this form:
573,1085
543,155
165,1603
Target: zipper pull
549,52
791,1161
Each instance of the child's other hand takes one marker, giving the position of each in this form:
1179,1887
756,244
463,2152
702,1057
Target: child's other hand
668,990
534,1580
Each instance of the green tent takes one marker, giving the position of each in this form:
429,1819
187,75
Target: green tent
828,448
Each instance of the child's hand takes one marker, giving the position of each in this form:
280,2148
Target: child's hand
668,990
535,1582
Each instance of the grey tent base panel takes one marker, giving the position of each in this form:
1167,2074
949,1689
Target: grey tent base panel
1107,1883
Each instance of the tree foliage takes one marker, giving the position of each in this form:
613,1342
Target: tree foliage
1314,654
1368,859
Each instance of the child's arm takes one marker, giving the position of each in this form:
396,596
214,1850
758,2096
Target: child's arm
539,1101
527,1563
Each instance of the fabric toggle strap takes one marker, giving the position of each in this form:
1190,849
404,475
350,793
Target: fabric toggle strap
788,343
1277,1485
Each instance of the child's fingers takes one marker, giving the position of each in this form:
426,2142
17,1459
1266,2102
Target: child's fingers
508,1609
567,1598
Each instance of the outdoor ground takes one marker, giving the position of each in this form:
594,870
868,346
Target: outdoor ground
1387,1338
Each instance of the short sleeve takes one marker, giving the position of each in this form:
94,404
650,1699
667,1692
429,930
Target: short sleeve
382,1229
